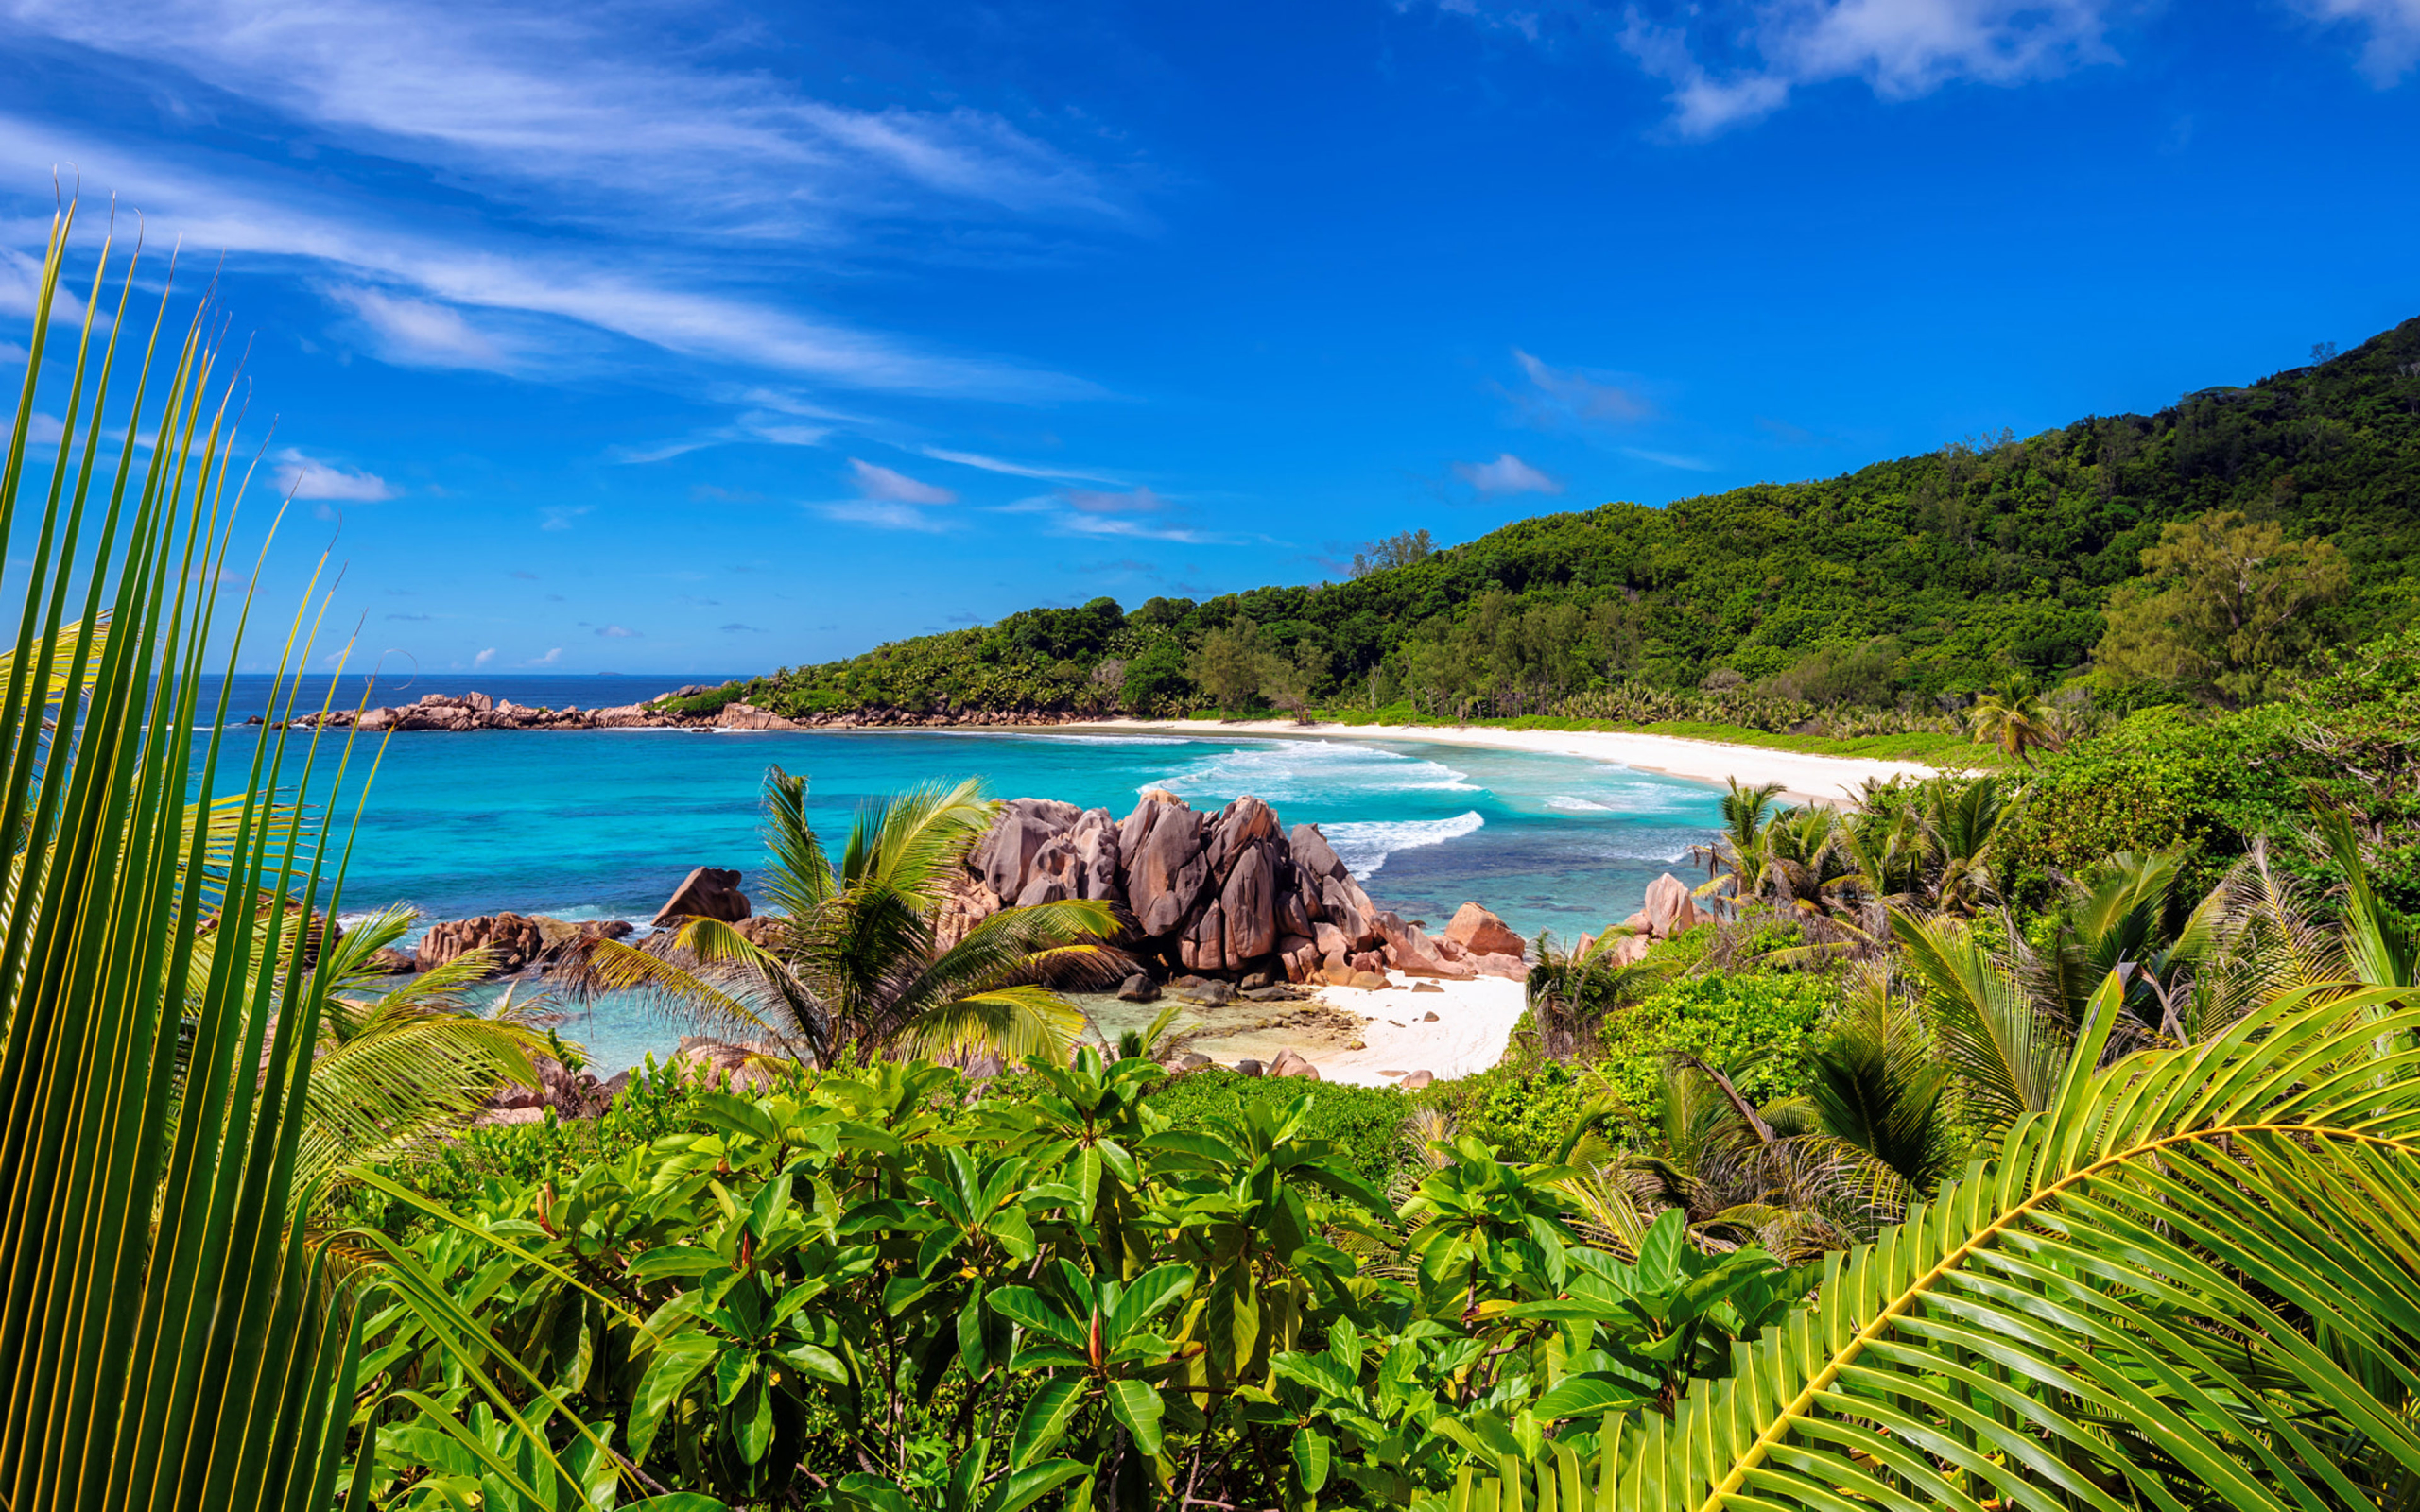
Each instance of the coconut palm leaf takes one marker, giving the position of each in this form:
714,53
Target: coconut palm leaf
2380,945
591,968
2010,1054
2188,1282
167,1336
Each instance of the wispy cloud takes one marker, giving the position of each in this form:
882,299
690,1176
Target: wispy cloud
560,516
550,658
307,477
615,633
1089,512
1506,474
1019,469
1690,464
898,487
1094,500
879,514
418,333
735,627
2392,26
1560,397
600,104
632,290
483,657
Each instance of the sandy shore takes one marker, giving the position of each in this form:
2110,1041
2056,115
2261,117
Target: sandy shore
1804,777
1475,1021
1474,1024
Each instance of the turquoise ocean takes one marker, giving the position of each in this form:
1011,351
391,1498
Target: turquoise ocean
603,824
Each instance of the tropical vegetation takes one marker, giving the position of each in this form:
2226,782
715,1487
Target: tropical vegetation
2038,1138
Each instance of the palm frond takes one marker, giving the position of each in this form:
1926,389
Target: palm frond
592,967
2186,1283
2010,1054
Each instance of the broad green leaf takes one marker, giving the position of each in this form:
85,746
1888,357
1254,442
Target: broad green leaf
1310,1459
1137,1406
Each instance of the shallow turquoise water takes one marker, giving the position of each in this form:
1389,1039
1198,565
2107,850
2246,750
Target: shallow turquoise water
603,824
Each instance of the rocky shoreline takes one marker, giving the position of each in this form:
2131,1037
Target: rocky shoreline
456,713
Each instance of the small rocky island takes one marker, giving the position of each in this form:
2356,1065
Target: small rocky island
456,714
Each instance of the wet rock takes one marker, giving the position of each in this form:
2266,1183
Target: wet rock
1202,989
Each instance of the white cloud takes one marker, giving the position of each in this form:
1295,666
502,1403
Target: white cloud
483,657
615,633
548,660
560,516
44,430
420,333
898,487
1018,470
1506,474
635,291
880,515
307,477
1900,48
1560,396
595,105
2393,27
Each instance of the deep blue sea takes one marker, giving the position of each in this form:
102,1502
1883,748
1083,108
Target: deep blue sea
602,824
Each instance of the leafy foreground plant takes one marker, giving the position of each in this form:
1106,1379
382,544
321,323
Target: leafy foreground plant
167,1339
2191,1283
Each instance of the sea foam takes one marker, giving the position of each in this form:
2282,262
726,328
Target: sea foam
1363,845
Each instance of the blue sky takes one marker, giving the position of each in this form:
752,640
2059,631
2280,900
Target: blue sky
709,338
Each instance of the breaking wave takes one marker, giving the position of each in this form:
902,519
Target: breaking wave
1363,846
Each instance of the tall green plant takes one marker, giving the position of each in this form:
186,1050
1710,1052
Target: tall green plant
2187,1284
167,1337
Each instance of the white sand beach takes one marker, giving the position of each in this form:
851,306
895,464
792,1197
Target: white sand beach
1475,1021
1804,777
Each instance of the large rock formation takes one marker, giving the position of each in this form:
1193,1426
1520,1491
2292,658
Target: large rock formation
516,941
709,892
1225,894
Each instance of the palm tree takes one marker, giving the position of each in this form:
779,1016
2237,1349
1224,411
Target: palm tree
2011,717
855,960
2184,1281
1736,855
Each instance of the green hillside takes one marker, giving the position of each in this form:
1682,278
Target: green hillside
1874,600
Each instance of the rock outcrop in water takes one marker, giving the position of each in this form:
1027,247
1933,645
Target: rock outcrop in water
1225,894
456,713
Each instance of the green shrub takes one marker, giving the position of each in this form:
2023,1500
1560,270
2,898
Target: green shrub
1366,1123
1756,1027
1521,1109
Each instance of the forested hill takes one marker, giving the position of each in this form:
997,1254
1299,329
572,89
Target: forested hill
1903,585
